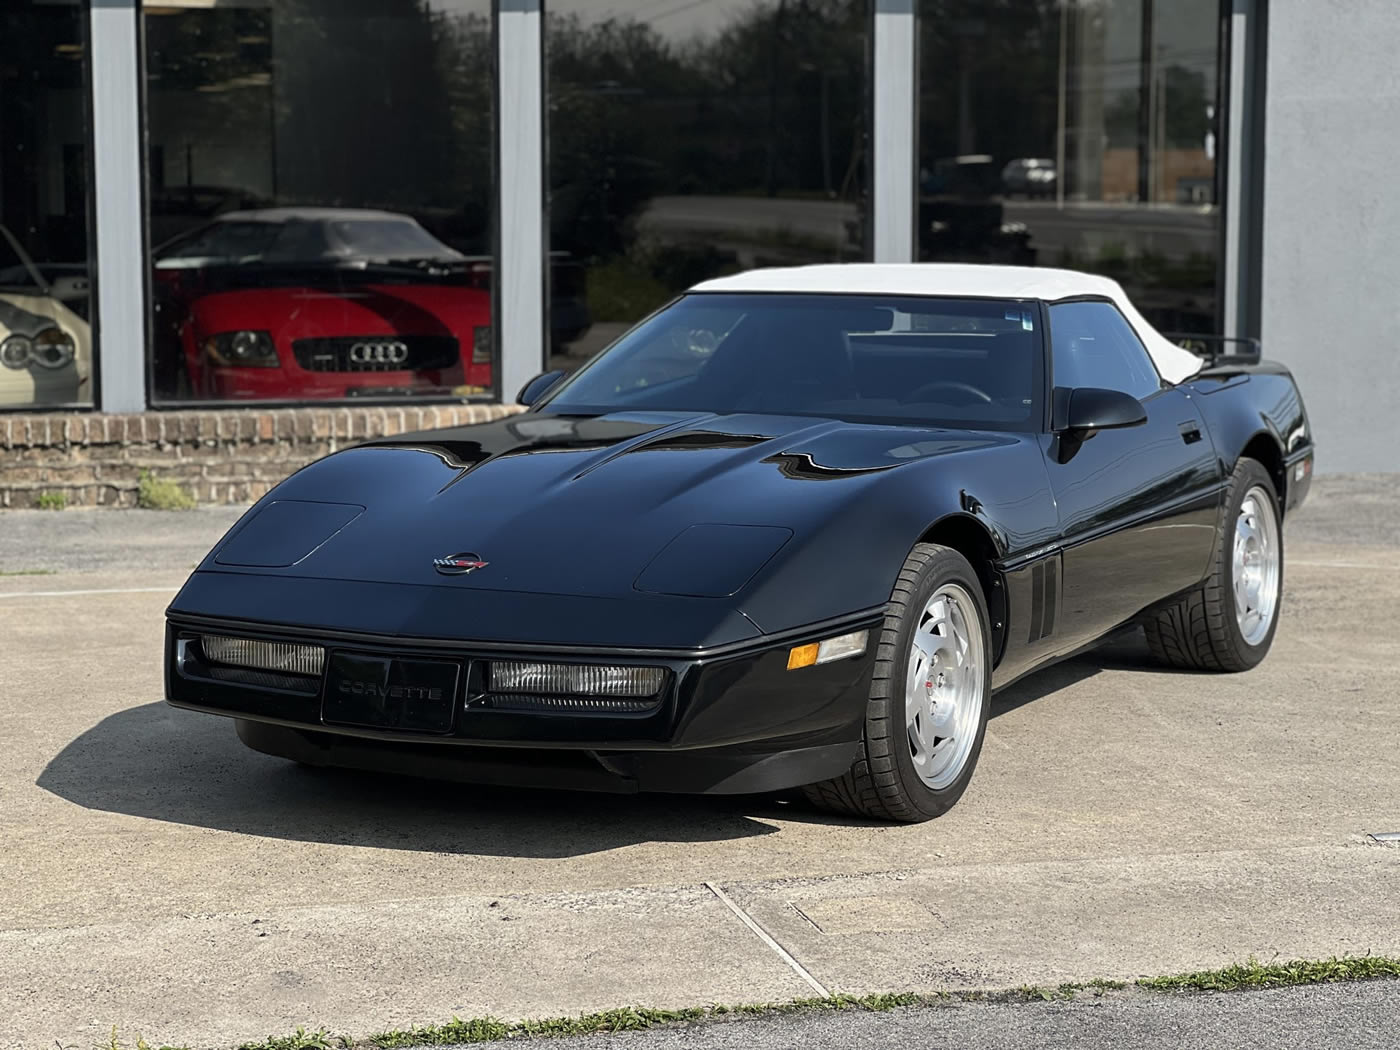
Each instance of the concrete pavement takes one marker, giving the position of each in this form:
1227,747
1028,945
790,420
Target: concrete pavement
1124,821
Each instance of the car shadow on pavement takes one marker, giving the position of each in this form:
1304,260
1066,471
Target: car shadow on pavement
1125,652
156,762
163,764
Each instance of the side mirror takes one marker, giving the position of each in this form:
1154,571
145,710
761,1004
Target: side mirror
1087,409
538,387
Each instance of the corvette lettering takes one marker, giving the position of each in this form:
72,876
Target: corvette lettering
396,692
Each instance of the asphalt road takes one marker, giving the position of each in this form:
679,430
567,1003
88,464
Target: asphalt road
1176,231
1124,821
1328,1017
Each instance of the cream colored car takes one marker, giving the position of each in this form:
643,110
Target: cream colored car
45,347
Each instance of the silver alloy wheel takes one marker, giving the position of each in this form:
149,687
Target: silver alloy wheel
943,692
1257,560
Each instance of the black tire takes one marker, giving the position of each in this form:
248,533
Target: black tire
883,782
1199,631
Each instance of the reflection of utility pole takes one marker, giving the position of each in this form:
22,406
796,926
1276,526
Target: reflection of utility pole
966,30
774,50
1159,133
1144,128
826,132
1060,108
823,120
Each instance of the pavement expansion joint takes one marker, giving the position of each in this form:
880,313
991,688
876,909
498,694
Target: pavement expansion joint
768,939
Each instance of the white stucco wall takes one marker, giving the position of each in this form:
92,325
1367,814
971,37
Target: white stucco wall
1330,294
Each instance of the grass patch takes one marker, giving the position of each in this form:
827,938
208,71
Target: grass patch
51,500
28,572
1254,974
622,290
301,1039
154,493
114,1043
458,1032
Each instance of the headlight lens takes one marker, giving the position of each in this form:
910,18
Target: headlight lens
53,348
520,676
481,345
248,349
286,657
16,351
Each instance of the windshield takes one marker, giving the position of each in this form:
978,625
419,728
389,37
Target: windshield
961,362
388,239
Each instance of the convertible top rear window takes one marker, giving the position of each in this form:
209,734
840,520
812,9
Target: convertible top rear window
898,359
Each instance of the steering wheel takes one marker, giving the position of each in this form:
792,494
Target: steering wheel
977,394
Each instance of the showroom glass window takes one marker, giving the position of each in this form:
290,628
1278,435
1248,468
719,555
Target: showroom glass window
320,199
1080,134
46,343
688,140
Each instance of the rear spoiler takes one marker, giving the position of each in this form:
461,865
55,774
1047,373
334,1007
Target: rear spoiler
1218,349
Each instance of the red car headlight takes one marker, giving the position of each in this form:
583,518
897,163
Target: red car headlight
245,349
16,351
53,348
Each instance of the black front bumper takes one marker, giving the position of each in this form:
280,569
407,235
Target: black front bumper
727,721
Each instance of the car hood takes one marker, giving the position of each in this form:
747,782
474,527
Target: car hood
626,507
294,312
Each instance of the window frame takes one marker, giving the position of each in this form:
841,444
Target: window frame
93,402
495,394
1049,305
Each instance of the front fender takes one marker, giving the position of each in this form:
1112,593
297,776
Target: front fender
850,561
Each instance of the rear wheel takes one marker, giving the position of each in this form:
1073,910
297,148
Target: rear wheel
1228,623
929,696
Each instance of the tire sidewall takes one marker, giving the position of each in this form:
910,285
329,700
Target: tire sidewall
946,566
1248,474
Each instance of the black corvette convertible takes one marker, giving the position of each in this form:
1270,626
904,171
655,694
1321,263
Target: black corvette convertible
790,531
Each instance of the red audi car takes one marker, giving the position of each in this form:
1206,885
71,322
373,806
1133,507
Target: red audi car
306,303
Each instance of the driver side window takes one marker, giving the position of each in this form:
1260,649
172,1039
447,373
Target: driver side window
1095,346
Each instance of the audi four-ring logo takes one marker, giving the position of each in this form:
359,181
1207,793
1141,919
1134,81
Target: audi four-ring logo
387,353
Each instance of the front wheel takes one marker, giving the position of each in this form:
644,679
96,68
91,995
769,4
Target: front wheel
1228,623
929,696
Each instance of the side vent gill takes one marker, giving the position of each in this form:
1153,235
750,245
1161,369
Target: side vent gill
1045,588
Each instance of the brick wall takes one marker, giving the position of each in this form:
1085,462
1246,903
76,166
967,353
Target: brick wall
217,456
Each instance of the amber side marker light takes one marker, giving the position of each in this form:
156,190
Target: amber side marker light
837,648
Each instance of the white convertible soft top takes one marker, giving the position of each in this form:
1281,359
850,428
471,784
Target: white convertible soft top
962,279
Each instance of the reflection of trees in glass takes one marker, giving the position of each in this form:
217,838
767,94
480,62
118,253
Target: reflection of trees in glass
992,83
617,92
365,101
771,105
358,103
1185,98
990,78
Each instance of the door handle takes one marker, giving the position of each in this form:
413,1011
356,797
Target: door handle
1190,432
